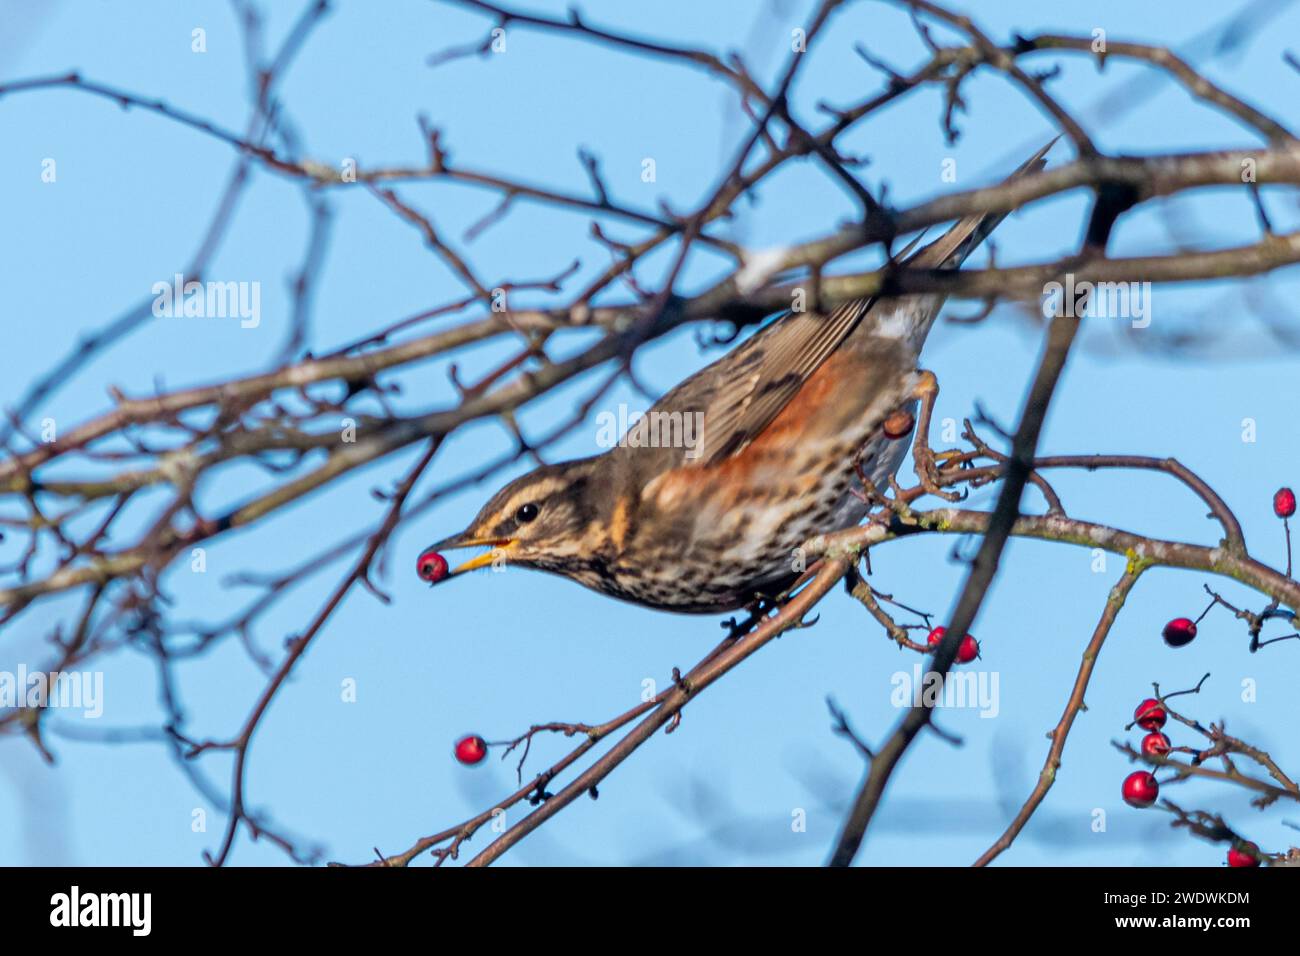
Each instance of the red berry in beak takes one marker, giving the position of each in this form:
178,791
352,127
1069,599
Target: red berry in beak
967,650
1284,503
1140,789
1155,744
1150,715
899,425
1244,857
471,750
431,566
1179,631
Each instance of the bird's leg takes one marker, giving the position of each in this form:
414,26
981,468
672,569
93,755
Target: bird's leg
923,457
871,496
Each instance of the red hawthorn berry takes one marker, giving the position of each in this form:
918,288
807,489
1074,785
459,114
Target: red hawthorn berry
1150,715
1140,789
1284,503
1155,744
1246,856
967,650
471,750
1179,632
899,425
431,566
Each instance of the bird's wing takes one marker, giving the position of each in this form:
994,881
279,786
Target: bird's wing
760,377
768,375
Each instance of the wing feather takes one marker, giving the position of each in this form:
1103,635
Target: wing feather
763,374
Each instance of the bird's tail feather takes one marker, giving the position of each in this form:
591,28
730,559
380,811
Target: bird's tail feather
951,249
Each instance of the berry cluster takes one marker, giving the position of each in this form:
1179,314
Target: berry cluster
1140,787
967,651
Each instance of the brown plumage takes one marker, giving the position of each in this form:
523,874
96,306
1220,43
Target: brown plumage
706,521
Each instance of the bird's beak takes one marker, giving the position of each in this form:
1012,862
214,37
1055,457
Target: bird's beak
466,540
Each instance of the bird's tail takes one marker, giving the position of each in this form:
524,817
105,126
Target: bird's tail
951,249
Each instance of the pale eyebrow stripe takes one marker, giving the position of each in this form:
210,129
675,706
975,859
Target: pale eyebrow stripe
524,496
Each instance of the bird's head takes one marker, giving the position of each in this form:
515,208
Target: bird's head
548,519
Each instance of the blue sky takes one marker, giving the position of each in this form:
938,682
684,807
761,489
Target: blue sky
495,653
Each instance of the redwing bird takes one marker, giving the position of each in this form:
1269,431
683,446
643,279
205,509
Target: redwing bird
712,519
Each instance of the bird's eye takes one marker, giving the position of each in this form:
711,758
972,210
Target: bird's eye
526,513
